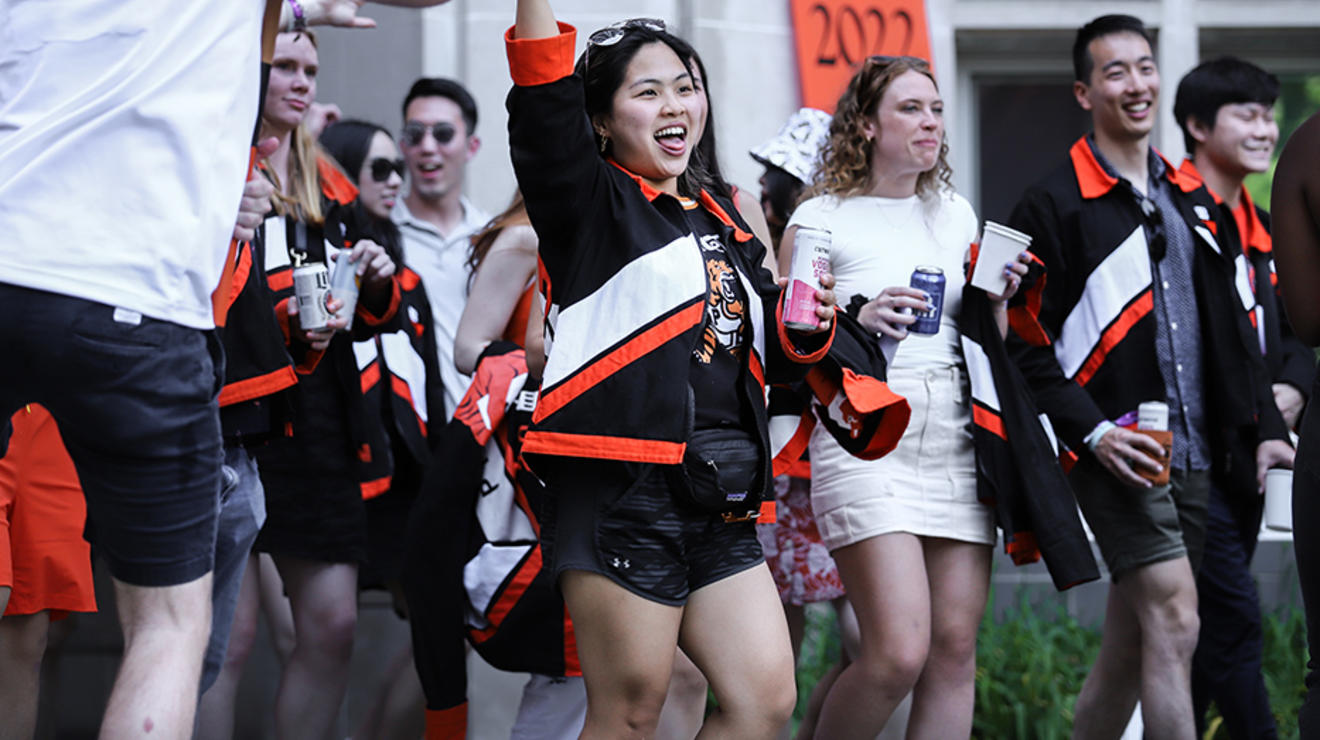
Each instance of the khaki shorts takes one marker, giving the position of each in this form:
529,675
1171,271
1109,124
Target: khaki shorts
1143,526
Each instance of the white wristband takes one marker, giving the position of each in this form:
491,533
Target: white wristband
1093,439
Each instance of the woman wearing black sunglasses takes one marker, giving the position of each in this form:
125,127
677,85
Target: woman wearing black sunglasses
658,322
369,155
401,387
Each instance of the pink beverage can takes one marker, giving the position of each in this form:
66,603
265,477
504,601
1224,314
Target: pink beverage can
811,259
311,288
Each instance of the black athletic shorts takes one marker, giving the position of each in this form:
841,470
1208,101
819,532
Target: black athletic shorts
621,520
135,400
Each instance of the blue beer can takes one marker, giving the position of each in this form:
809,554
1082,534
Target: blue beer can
929,280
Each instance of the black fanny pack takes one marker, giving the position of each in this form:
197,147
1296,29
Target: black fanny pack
722,471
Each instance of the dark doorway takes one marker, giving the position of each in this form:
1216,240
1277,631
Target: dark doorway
1025,129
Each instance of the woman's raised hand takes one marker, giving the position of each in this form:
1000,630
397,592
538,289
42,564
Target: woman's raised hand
884,313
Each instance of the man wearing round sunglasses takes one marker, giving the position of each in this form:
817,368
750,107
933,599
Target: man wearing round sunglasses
1140,305
438,140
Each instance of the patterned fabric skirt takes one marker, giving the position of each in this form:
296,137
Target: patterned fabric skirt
801,565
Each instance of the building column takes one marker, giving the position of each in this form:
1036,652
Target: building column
1178,51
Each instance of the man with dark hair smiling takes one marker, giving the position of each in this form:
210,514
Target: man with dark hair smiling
1139,305
438,140
1225,108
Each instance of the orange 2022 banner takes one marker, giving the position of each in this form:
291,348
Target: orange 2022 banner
834,36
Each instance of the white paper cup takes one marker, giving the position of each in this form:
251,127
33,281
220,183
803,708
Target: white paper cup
1000,245
1278,499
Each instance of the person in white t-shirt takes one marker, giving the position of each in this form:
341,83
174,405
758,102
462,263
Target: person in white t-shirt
118,197
911,540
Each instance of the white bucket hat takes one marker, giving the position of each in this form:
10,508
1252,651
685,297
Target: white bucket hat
796,148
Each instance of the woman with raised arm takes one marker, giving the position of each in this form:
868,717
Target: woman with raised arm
911,539
656,309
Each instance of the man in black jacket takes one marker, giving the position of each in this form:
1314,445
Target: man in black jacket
1139,305
1226,110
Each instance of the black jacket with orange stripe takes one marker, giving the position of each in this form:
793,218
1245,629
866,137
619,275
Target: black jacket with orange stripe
1018,467
276,239
1246,231
623,282
474,565
402,394
1088,347
258,363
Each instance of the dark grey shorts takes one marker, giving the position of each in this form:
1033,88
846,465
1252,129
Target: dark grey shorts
621,520
1143,526
135,401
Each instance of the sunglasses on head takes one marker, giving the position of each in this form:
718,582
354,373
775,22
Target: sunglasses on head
613,34
382,167
1157,242
442,132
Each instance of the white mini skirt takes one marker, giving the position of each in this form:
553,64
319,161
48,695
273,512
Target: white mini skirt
926,486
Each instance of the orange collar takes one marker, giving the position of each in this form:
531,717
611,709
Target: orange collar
706,199
1251,230
1095,181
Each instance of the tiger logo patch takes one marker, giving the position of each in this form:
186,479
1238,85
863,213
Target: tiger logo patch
724,307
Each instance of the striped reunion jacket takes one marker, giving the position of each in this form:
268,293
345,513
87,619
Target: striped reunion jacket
1246,235
474,566
1018,471
277,237
841,393
262,358
623,282
401,388
1090,356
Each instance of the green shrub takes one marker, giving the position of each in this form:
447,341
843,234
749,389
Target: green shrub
1032,660
1029,668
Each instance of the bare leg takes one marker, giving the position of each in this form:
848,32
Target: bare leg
850,645
22,645
850,634
735,632
1164,598
1157,603
626,646
886,581
403,705
796,616
398,711
1109,694
165,634
807,728
942,701
215,711
685,704
276,609
324,601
